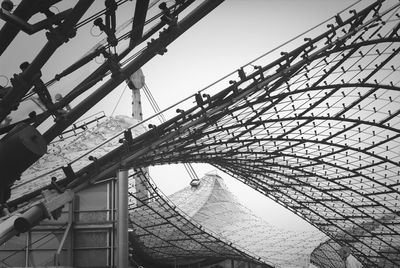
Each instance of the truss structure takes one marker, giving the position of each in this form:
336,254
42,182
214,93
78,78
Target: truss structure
317,130
120,63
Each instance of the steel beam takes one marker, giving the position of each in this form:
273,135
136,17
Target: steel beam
25,10
138,22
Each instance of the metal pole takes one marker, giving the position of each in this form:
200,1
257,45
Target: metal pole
112,219
7,229
64,237
122,261
27,245
137,82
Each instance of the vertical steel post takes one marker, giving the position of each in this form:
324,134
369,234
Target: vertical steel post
111,217
27,246
71,217
137,82
122,261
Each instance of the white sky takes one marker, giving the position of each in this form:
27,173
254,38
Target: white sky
235,33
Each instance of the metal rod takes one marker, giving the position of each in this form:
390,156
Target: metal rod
65,235
112,219
27,246
122,261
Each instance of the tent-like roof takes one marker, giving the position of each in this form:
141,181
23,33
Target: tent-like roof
317,130
162,233
194,224
332,255
213,206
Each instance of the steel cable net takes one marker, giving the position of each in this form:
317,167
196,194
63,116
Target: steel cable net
320,135
162,233
328,255
316,130
211,204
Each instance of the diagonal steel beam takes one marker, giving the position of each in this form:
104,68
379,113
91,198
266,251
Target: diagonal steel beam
166,38
25,10
23,82
138,22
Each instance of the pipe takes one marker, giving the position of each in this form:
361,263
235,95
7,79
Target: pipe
30,218
65,235
7,229
122,261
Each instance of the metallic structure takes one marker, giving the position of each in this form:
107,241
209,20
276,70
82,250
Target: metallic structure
328,254
162,233
317,130
211,204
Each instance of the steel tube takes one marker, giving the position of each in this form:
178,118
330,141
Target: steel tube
30,218
122,228
7,229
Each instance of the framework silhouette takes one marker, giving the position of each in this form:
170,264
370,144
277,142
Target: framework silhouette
317,130
320,135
